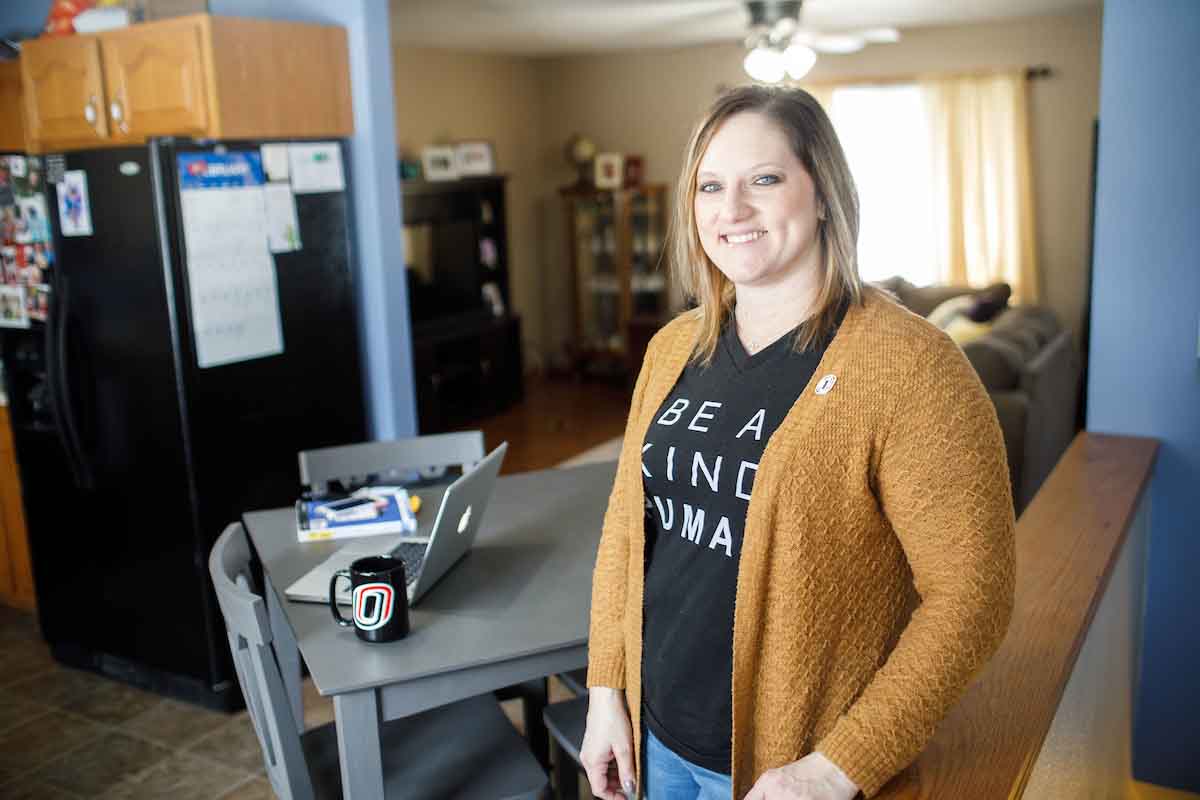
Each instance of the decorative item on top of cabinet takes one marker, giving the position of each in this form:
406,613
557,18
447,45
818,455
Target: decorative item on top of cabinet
203,76
615,243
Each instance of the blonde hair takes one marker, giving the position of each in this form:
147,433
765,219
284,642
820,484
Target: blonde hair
816,145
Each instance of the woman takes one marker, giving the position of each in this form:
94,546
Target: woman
808,551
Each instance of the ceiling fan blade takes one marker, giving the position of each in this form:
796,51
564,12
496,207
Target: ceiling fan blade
879,35
837,43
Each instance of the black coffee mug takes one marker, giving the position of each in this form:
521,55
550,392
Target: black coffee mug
379,598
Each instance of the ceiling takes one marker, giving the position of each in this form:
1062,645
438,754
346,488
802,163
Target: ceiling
548,27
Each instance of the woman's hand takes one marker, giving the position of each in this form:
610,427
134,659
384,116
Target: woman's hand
607,751
813,777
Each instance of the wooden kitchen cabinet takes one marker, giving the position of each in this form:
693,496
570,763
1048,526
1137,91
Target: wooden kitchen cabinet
155,80
12,118
16,571
64,92
201,76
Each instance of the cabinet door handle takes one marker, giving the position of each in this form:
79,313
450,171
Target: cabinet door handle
117,111
89,111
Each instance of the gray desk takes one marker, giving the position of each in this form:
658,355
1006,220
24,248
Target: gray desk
516,608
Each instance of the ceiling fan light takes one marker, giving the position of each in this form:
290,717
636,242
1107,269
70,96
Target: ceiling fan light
839,43
798,60
880,35
765,65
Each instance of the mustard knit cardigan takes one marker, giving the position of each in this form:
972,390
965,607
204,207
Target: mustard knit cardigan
877,565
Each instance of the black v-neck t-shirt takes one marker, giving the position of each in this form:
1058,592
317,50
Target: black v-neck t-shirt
698,465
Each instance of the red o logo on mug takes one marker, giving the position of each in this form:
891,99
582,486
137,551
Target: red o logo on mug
370,616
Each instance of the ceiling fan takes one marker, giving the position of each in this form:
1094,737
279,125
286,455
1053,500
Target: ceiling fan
777,45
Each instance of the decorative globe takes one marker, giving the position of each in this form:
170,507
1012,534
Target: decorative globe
579,152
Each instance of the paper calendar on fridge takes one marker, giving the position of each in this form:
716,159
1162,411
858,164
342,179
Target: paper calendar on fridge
231,274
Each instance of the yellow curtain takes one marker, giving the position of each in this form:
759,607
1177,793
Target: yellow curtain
982,180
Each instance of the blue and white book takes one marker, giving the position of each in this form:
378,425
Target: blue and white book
371,511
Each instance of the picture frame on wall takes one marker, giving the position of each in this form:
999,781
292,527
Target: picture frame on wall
609,171
635,171
438,163
474,158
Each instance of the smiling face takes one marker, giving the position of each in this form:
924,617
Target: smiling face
755,206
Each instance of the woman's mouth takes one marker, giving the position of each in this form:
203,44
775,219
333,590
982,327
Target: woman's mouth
742,238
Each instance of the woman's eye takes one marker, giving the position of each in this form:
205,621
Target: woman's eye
709,188
766,180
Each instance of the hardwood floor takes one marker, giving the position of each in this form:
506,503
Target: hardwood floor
1148,791
558,418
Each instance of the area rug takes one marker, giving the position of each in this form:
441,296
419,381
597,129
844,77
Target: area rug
606,451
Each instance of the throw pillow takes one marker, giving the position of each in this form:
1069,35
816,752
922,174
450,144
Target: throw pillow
989,302
951,309
963,330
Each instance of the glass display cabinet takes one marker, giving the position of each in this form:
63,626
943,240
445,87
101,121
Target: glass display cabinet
615,241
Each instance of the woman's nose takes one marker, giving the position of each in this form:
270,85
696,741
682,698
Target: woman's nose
734,205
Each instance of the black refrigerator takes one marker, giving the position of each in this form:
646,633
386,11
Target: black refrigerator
202,329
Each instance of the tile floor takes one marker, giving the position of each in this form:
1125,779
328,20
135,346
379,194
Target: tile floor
70,734
67,734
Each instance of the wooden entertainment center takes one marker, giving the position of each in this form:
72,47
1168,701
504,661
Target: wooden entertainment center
466,341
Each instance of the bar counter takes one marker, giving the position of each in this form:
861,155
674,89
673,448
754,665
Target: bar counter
1051,715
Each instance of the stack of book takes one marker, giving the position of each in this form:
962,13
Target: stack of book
370,511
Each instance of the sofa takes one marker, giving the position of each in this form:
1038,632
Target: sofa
1028,363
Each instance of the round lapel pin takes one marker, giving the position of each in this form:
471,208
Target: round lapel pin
825,384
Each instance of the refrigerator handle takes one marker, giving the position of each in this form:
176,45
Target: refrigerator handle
51,360
68,431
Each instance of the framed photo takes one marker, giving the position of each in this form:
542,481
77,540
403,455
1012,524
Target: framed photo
438,163
474,158
609,170
635,171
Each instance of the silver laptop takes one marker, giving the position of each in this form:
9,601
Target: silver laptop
426,558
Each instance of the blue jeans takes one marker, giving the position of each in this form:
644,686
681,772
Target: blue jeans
669,777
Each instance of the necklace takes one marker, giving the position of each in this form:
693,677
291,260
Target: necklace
753,344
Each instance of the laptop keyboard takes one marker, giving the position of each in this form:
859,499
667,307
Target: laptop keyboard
413,555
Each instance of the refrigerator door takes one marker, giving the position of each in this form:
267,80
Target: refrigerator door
249,418
120,585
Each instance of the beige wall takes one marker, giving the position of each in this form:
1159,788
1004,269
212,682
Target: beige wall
645,102
445,96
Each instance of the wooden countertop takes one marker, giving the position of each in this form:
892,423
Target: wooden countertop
1067,541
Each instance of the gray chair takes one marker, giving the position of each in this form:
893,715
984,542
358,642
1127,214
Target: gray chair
466,749
575,681
565,721
428,456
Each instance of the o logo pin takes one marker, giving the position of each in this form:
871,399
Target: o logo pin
370,615
825,384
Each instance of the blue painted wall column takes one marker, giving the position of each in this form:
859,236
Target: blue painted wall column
382,287
1144,373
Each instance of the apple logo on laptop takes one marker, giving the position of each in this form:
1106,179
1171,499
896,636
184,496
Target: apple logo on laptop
465,521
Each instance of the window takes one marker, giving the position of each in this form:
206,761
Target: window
885,133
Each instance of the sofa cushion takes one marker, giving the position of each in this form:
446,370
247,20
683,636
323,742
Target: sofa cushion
1027,328
997,362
